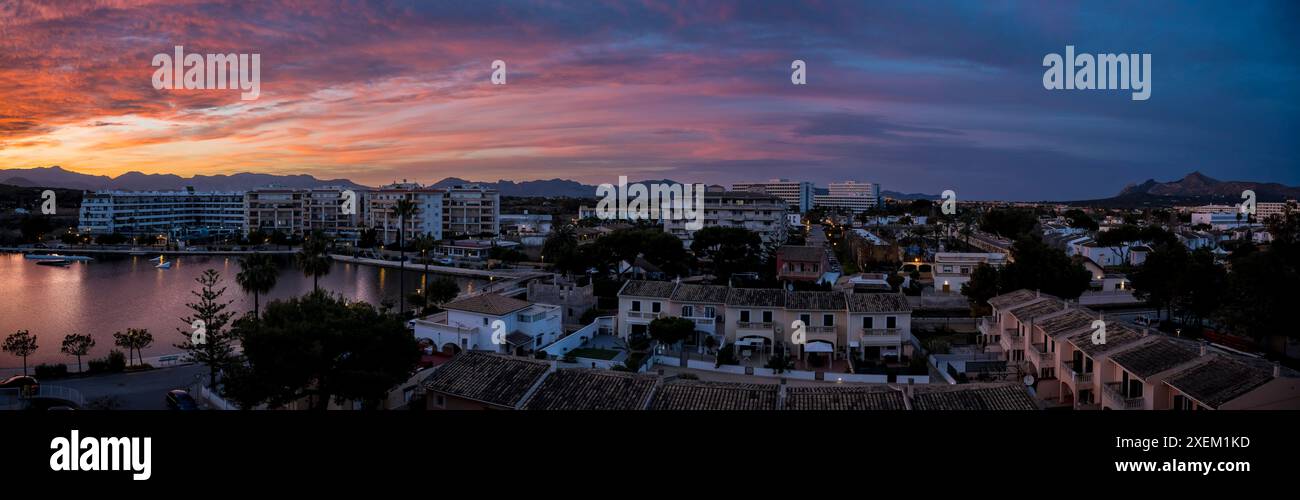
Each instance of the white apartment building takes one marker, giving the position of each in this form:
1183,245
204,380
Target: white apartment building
468,324
952,270
275,209
799,194
171,213
760,213
381,211
854,196
471,210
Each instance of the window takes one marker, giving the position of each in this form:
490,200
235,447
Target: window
868,322
688,312
806,318
485,321
654,307
709,312
767,316
440,401
891,322
636,305
828,320
744,316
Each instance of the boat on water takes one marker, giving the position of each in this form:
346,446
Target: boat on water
52,262
156,259
164,265
55,256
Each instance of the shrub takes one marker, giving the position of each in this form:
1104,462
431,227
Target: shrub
115,362
48,371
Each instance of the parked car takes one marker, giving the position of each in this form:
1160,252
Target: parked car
180,400
26,384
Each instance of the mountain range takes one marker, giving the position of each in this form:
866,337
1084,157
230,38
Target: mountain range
1193,188
135,181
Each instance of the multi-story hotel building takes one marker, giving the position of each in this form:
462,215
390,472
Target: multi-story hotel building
471,210
381,211
171,213
274,209
302,211
849,195
760,213
799,194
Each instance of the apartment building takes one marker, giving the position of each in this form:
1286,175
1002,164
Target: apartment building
853,196
574,300
761,320
801,263
275,209
1128,368
171,213
798,194
760,213
471,210
381,211
469,324
952,270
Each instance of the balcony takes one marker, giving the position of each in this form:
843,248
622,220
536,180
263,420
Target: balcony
755,325
1011,340
881,336
987,325
1076,379
1113,398
1039,355
644,315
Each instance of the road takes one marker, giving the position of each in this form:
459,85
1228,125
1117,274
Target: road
136,391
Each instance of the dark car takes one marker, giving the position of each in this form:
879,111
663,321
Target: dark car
180,400
26,384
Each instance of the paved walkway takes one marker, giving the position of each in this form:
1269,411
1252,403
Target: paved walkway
136,391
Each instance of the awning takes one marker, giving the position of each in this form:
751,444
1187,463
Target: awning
818,347
518,339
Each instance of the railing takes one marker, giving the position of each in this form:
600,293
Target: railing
755,325
1078,379
987,325
821,329
439,322
644,314
1011,340
702,321
880,332
1115,398
1040,352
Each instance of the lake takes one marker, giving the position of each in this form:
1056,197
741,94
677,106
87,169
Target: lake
113,293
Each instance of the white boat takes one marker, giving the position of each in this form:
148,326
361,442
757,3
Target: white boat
164,265
55,256
156,259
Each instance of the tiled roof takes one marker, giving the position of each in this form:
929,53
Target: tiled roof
653,289
1033,310
584,389
816,301
878,302
1117,335
518,338
492,378
1016,297
1070,320
695,395
974,397
489,303
843,397
756,297
1220,380
1154,357
716,294
801,253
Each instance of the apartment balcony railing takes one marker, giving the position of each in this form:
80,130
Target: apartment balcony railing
881,336
644,315
1011,340
987,325
1078,379
1114,398
755,325
821,329
1039,355
702,321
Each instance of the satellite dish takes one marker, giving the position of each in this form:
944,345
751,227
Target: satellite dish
1029,380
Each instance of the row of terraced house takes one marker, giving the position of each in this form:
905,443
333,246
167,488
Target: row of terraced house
839,324
1071,364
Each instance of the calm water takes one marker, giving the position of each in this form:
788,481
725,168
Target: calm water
113,293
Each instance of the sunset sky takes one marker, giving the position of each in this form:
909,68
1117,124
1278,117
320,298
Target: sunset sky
920,96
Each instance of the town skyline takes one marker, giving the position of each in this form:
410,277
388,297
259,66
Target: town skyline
382,91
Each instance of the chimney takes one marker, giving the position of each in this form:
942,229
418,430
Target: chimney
1277,369
1205,347
1038,294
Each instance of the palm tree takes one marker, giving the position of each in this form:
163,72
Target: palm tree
257,275
405,208
313,258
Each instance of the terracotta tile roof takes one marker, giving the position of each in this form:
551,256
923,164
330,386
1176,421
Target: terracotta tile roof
652,289
1068,321
974,397
489,303
716,294
815,301
1118,335
585,389
878,302
756,297
492,378
1221,380
696,395
843,397
801,253
1042,307
1016,297
1154,357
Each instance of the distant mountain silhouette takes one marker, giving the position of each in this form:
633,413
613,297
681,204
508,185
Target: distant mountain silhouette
548,187
135,181
1193,188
